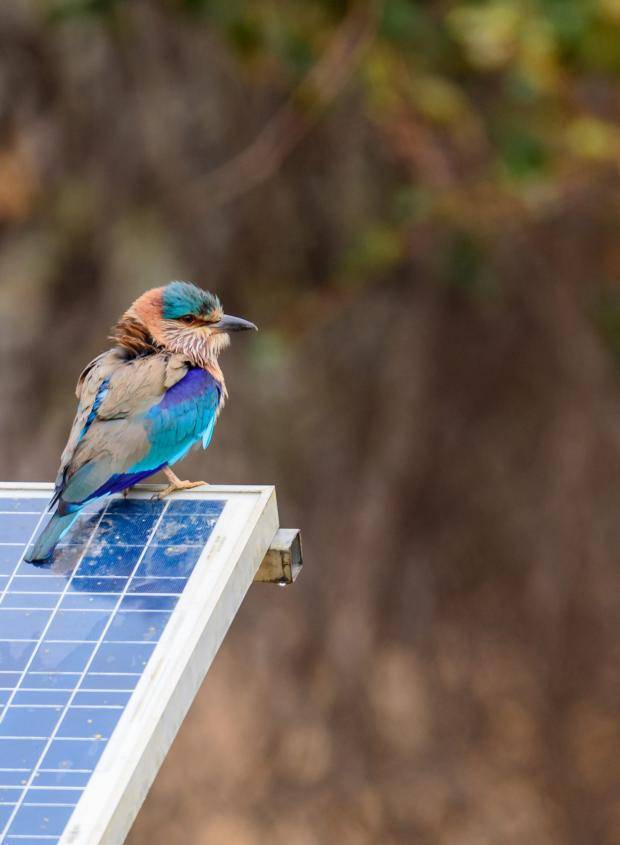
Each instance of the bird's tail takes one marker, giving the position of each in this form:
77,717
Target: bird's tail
47,539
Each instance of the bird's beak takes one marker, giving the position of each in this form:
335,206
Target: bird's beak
233,324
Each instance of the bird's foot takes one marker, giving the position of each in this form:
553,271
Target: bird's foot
174,488
176,485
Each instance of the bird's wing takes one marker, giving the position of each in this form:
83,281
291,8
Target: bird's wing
140,382
90,389
150,411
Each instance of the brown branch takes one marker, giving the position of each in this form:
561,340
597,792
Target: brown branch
323,83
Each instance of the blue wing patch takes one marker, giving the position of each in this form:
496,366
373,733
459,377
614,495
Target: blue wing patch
186,414
101,393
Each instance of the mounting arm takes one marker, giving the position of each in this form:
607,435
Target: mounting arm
283,561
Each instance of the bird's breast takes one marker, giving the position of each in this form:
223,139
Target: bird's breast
196,385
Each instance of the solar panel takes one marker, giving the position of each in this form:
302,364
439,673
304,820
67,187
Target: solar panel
102,653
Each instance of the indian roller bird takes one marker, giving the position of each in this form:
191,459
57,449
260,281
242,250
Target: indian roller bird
143,404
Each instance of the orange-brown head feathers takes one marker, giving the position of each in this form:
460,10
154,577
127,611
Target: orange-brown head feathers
179,317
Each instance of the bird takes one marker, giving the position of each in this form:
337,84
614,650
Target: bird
144,403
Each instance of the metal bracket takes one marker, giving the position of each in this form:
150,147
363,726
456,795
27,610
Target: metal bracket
283,561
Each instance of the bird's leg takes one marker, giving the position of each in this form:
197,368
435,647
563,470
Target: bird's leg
176,484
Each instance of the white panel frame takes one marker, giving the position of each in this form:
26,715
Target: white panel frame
179,662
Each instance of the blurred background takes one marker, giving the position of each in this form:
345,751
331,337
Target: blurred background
419,204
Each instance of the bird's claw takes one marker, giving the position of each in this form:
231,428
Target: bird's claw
177,487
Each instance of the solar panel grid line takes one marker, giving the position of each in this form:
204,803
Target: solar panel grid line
39,804
55,787
93,610
73,771
44,575
90,660
87,609
76,642
75,706
61,672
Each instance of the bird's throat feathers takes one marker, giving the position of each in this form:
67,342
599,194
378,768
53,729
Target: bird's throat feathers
142,330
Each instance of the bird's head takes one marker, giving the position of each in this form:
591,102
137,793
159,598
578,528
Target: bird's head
182,318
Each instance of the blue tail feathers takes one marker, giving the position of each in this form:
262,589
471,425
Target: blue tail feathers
47,539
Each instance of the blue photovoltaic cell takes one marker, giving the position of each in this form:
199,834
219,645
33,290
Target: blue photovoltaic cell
74,641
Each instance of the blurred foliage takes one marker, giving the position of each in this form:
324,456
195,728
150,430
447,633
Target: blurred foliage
605,311
505,99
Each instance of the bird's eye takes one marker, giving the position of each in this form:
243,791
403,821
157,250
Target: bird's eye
188,319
